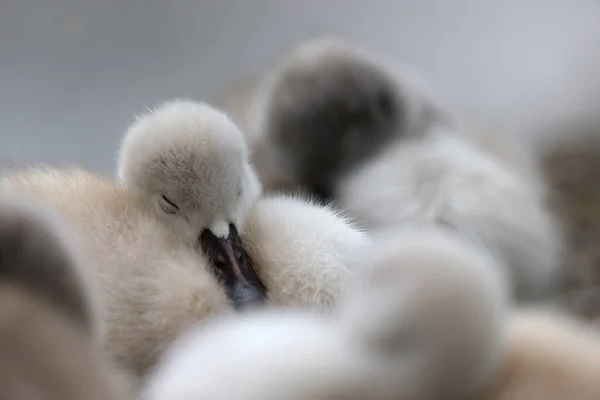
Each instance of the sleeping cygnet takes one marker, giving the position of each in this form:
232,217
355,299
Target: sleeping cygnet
327,108
302,250
423,320
47,312
444,178
548,357
186,185
190,163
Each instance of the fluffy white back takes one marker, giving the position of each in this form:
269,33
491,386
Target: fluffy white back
445,180
302,250
269,356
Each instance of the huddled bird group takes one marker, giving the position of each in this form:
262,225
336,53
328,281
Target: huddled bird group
346,238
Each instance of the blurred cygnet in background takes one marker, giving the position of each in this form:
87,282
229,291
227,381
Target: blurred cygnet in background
48,310
548,356
446,179
324,110
423,320
336,120
42,256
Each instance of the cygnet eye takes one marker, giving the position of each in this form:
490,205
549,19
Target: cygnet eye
168,206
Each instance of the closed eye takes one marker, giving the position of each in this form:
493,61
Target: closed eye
168,206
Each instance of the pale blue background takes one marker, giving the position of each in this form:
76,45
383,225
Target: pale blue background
73,72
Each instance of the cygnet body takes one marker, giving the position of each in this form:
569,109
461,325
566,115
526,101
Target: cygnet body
445,179
48,311
422,321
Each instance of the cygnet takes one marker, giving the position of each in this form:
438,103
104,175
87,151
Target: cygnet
142,246
40,254
48,311
373,137
423,320
156,285
189,162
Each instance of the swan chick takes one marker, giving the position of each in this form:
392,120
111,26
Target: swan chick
47,311
434,332
416,164
325,109
40,253
190,162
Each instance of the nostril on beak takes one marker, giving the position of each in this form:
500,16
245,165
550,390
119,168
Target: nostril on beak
245,295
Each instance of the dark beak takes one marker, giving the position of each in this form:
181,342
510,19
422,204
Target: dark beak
233,268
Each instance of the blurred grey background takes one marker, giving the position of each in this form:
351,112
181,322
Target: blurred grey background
73,72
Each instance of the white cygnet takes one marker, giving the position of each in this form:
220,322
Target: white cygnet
142,236
423,320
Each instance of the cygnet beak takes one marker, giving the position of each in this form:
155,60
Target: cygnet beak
233,267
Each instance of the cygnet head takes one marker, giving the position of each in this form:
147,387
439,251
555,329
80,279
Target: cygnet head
434,307
39,254
325,108
191,163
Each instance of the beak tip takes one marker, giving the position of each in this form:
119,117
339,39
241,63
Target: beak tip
247,295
